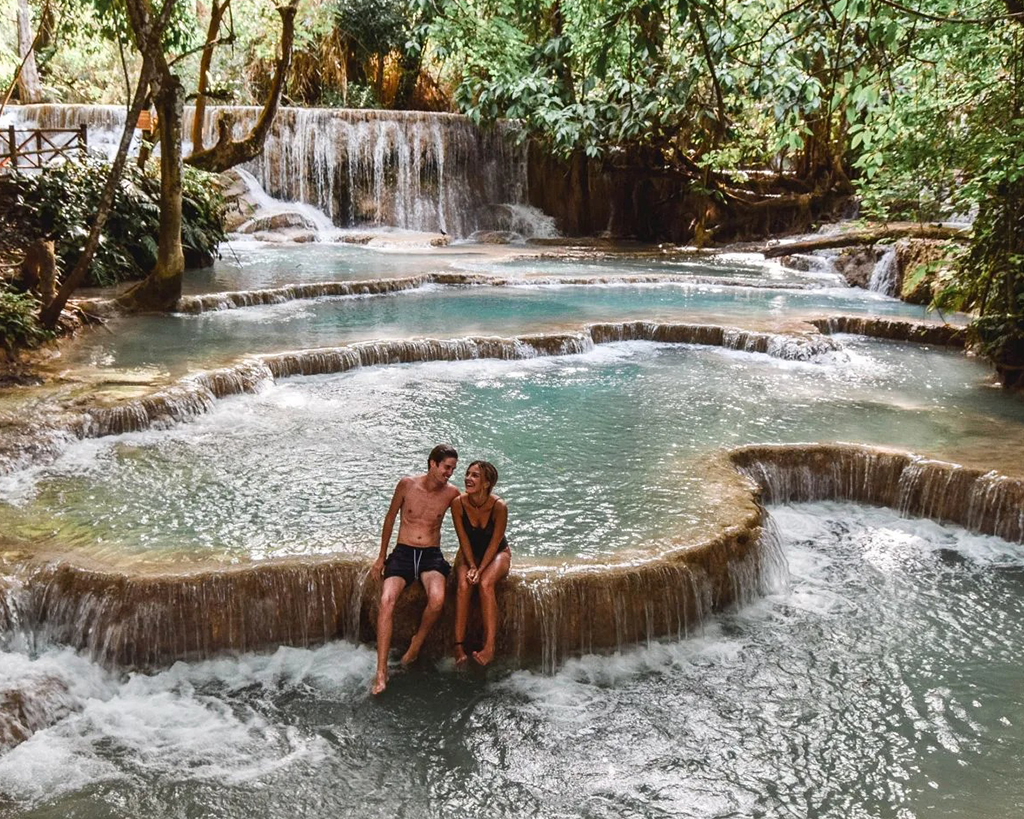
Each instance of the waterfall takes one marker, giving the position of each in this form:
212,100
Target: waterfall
195,394
983,502
143,619
412,170
405,169
885,274
946,335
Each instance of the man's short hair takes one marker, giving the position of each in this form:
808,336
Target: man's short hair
441,452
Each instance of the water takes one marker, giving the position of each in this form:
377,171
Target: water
881,681
598,452
179,343
884,274
407,169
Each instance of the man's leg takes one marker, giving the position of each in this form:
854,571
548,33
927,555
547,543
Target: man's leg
433,583
497,569
463,597
393,586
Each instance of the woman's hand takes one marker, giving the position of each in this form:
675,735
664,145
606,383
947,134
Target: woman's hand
473,576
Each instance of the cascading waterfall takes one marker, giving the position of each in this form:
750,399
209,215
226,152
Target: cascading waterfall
983,502
195,394
885,273
150,618
420,171
946,335
404,169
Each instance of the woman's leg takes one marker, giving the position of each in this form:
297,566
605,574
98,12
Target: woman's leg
463,595
490,577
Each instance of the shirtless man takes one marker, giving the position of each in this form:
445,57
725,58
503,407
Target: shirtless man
422,501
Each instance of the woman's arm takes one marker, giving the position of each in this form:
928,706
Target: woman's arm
464,548
500,522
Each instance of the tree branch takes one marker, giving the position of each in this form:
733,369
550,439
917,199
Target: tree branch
228,152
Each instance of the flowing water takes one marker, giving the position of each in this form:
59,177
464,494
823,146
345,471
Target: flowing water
880,679
599,451
877,677
181,343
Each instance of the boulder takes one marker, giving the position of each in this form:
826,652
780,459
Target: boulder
924,267
495,237
856,264
277,222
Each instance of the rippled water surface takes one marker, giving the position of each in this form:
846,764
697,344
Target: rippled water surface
178,344
247,265
883,680
597,452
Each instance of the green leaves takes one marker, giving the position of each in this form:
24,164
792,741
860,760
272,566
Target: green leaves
59,204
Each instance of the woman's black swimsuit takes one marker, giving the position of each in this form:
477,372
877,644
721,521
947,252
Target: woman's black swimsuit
480,537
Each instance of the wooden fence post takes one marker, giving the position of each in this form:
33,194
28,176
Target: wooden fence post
14,146
83,139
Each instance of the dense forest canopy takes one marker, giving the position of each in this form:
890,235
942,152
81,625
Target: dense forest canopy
915,106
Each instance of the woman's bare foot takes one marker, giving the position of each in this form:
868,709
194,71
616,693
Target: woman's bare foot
380,682
484,655
460,656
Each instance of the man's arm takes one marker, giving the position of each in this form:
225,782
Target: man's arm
389,524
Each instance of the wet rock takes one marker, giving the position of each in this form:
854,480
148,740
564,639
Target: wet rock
356,238
856,264
924,266
495,237
278,223
294,235
239,203
25,710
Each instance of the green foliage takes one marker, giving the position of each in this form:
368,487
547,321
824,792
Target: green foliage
990,279
60,204
19,327
373,27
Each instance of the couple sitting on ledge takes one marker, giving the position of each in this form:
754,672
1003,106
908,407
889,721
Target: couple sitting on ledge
483,559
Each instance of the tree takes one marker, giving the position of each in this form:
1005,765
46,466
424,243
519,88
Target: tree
30,88
162,288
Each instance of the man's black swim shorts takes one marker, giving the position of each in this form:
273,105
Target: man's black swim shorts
409,562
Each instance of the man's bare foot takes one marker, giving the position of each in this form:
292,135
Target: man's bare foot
484,655
380,682
460,656
413,652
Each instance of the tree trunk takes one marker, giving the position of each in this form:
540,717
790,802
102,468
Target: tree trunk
161,289
863,237
51,312
29,88
228,152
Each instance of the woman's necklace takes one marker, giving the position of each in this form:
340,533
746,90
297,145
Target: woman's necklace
474,504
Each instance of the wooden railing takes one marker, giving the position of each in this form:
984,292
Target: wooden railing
35,148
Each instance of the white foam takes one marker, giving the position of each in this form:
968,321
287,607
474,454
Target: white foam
212,719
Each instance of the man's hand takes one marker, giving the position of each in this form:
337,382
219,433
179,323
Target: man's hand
377,569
